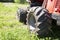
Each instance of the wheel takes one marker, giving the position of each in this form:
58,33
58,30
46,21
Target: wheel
21,15
38,21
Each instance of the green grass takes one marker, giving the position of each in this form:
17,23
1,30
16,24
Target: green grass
11,29
8,14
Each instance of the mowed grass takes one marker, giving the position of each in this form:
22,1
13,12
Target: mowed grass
11,28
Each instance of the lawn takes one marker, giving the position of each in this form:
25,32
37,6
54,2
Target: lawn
11,28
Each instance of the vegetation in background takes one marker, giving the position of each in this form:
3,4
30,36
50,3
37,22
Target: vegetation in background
6,0
20,1
16,1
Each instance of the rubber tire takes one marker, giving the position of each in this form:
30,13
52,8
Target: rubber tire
39,23
21,15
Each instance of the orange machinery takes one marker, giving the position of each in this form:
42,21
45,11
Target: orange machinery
53,6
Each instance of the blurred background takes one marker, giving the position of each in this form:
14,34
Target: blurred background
14,1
